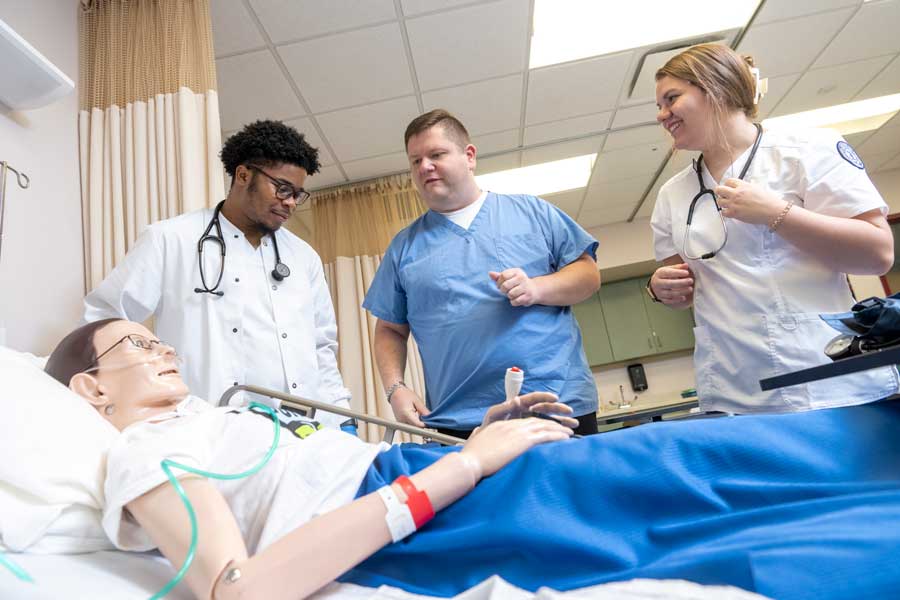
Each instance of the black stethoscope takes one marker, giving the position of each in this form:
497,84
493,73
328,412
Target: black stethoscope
280,271
698,167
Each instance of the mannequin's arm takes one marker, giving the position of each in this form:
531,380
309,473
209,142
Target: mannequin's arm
328,545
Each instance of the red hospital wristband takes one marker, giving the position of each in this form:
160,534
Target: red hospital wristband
418,502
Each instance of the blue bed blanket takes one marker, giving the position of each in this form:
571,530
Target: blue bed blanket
791,506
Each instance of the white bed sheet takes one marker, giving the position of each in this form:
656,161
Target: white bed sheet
112,575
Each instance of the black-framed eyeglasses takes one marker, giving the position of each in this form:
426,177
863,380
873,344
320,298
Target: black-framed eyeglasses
138,341
283,189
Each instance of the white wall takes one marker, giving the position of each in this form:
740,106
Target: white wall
41,266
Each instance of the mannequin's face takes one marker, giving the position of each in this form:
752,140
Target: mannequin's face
131,383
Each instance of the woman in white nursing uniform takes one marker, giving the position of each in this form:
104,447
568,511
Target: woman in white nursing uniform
798,213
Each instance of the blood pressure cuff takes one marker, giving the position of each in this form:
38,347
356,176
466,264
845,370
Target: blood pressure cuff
873,319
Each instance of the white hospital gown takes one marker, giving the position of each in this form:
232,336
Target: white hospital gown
304,478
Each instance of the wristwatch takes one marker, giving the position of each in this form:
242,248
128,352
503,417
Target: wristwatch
650,291
394,388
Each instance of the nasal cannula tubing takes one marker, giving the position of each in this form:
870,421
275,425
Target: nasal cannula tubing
167,466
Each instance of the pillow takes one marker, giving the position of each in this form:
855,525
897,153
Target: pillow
54,448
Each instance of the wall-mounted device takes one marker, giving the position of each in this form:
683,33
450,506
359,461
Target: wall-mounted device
27,79
638,377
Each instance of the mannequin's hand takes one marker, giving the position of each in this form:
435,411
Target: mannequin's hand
516,285
748,202
495,445
519,407
673,285
408,407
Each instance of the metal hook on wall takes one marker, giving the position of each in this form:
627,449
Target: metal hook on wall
23,181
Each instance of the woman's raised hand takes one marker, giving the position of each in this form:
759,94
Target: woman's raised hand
543,403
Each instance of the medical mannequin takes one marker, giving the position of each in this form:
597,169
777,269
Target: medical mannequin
758,273
143,383
687,500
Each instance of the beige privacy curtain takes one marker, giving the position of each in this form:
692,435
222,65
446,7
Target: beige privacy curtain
148,123
353,226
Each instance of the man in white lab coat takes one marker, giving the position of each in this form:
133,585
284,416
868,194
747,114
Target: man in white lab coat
242,298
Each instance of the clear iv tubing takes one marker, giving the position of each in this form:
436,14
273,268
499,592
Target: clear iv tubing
166,464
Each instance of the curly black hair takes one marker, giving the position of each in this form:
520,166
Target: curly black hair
266,143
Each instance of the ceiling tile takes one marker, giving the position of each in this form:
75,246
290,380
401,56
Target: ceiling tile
414,7
790,46
637,136
483,107
233,29
778,87
894,163
633,115
492,143
305,127
679,160
567,128
288,20
569,201
605,216
778,11
885,83
609,193
871,32
883,140
551,152
628,162
855,139
326,177
573,89
370,130
375,167
251,87
646,210
469,44
832,85
500,162
350,68
873,161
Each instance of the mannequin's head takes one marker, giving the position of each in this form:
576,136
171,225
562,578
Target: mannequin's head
121,369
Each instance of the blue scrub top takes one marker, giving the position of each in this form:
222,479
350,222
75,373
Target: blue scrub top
434,277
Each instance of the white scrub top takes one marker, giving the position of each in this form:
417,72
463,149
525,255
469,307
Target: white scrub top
279,335
756,303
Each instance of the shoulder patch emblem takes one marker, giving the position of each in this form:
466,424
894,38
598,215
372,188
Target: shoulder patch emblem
850,155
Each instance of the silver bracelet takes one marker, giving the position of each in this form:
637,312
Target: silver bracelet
394,388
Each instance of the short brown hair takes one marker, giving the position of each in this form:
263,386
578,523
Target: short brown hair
76,352
721,73
452,127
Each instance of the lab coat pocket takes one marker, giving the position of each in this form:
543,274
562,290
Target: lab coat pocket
528,252
797,341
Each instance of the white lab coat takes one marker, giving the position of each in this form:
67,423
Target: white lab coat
279,335
756,303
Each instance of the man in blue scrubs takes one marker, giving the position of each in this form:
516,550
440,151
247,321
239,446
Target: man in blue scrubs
484,282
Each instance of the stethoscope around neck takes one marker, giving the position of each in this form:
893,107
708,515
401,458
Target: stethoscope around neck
280,271
698,167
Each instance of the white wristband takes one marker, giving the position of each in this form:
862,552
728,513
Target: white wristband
399,518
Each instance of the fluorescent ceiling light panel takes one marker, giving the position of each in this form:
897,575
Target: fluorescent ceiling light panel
565,30
544,178
853,117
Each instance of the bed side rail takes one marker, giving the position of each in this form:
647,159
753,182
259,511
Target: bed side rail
311,406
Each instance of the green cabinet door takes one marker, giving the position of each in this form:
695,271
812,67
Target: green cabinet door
626,319
589,315
671,329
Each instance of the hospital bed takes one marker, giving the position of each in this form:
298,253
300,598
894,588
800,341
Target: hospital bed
129,575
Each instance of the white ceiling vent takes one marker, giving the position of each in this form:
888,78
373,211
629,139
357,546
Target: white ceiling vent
27,79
